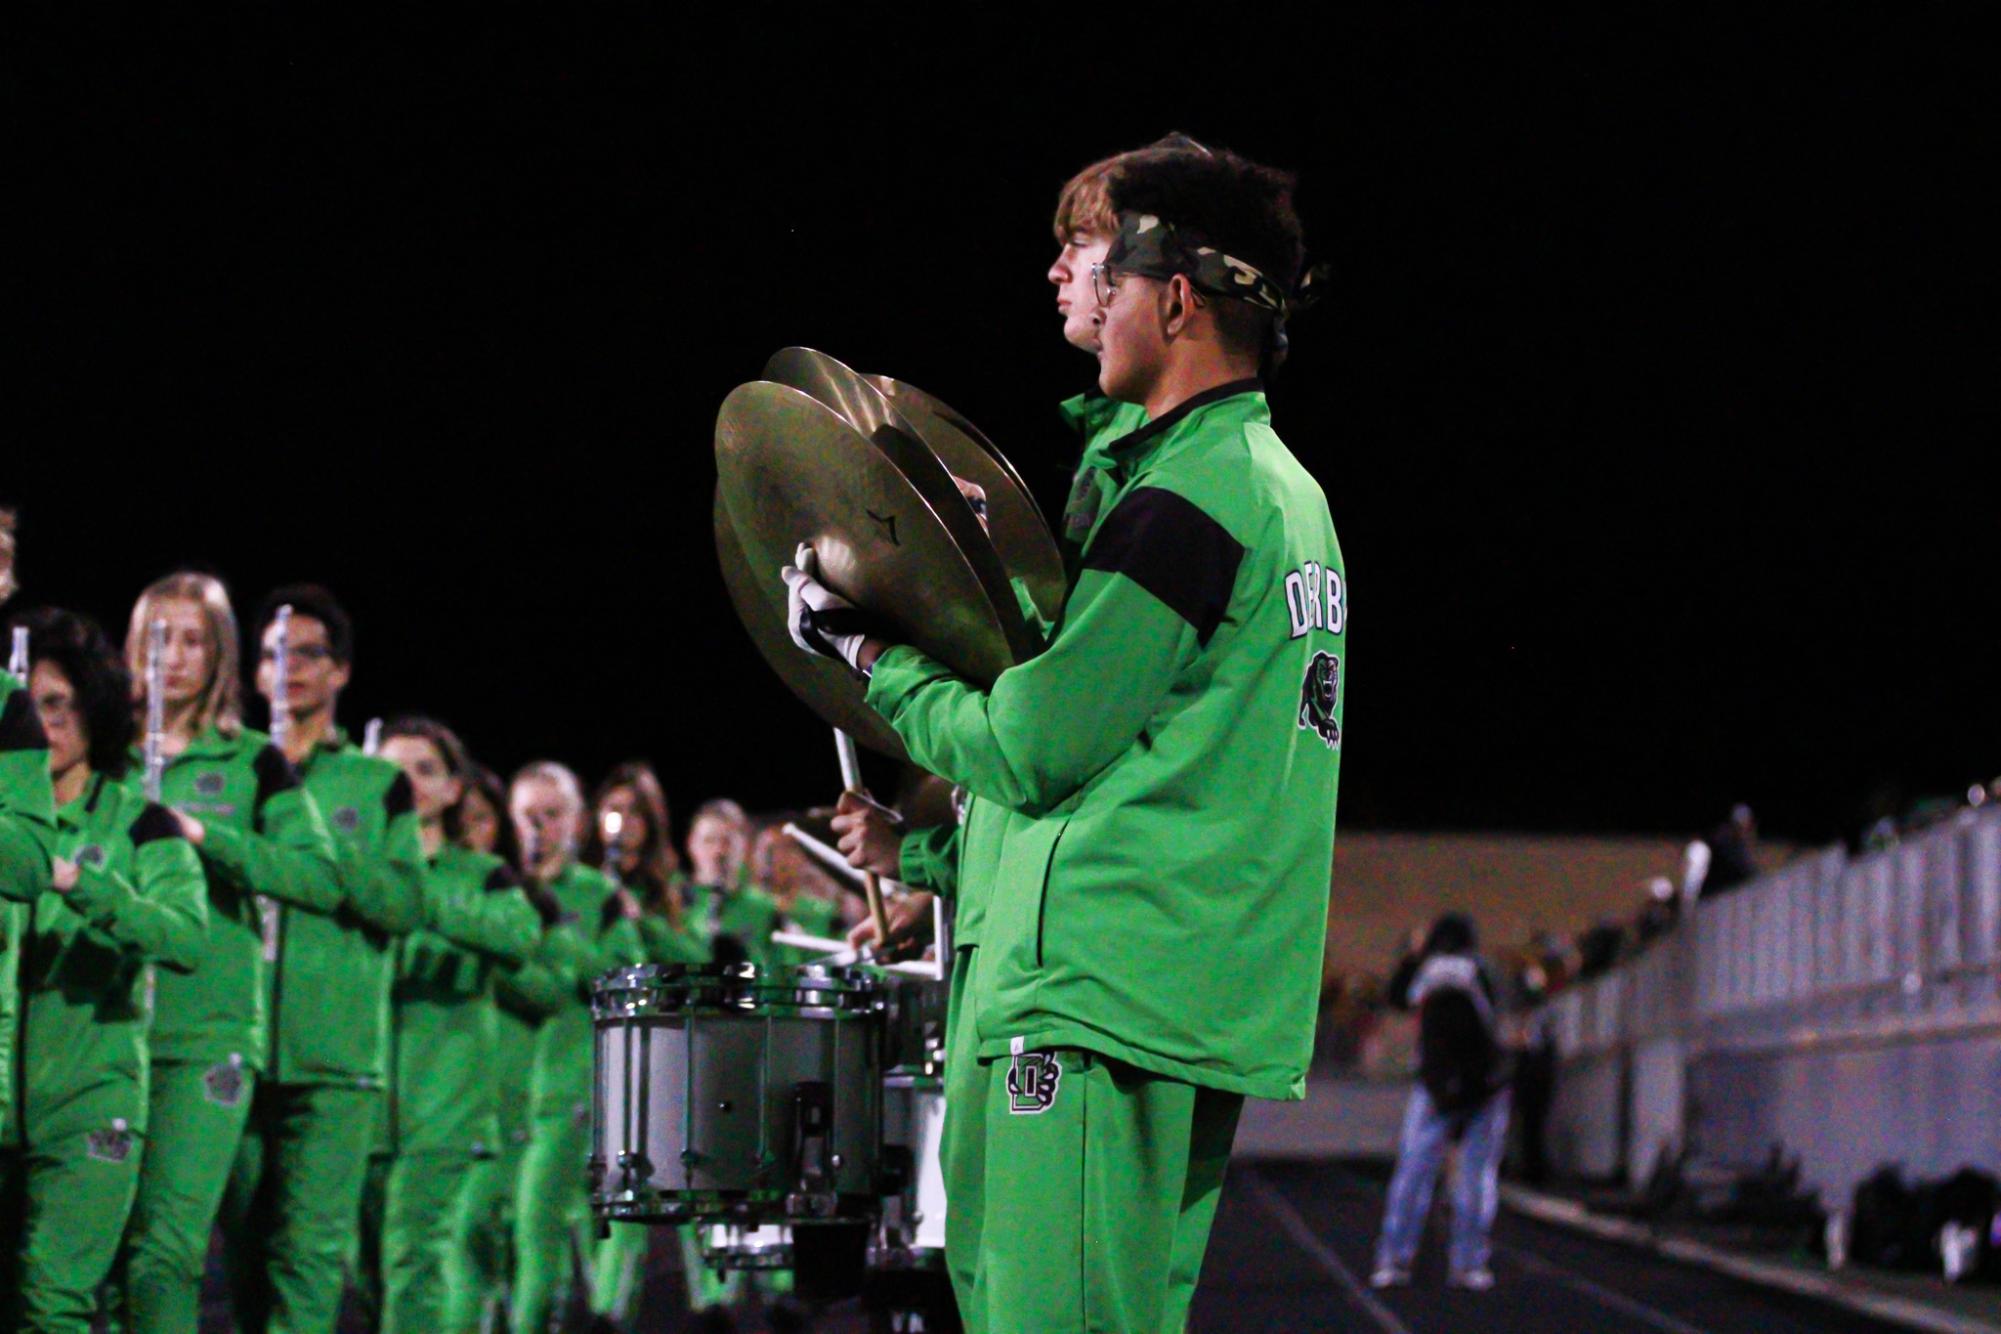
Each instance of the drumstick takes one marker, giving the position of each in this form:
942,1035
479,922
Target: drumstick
843,954
851,779
831,856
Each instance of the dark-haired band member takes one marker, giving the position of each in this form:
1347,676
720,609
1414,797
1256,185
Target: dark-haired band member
641,856
440,1113
294,1198
27,818
259,834
480,1276
552,1205
128,893
1152,950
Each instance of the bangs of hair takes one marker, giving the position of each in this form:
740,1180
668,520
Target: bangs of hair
221,702
1085,202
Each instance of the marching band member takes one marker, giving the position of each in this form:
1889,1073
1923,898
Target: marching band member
807,900
259,835
27,821
632,841
480,1275
294,1198
551,1203
1151,950
733,917
440,1105
646,863
127,893
961,859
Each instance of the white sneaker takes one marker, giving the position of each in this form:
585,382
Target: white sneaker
1390,1276
1473,1280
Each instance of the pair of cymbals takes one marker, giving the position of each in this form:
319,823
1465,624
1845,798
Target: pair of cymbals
862,469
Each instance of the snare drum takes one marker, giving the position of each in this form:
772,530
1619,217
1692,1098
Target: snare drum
733,1093
912,1231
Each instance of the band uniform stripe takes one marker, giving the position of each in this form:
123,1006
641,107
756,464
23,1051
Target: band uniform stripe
1167,545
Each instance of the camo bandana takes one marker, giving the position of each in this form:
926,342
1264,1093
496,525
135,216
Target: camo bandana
1154,248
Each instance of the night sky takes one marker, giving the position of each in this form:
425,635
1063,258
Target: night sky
1644,401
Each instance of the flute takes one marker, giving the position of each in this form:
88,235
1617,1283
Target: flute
281,672
371,737
17,661
156,707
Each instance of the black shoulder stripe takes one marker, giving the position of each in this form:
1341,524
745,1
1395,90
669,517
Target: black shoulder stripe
1166,544
399,799
20,725
155,822
274,772
501,877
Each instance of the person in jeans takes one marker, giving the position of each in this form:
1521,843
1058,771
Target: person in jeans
1461,1095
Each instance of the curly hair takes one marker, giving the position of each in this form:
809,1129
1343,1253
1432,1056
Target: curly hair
78,647
1235,204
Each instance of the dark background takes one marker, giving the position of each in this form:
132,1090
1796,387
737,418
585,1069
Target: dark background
1649,401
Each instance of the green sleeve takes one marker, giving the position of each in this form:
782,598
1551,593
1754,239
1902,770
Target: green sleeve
289,855
1051,724
548,980
618,946
930,858
27,804
499,923
665,945
385,885
165,918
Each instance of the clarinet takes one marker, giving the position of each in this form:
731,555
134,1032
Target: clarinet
281,672
281,733
156,708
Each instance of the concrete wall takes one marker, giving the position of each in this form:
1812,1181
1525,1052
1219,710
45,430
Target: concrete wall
1846,1010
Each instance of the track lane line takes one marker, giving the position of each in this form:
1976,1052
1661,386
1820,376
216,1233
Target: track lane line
1598,1292
1307,1240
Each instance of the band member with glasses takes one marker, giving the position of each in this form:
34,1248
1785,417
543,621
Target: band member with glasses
294,1198
1151,949
552,1205
260,837
128,894
440,1112
27,818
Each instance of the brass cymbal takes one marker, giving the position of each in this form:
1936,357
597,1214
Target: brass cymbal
824,686
1020,530
889,528
1015,528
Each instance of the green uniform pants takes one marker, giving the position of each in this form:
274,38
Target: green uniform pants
962,1142
408,1214
63,1207
551,1217
479,1268
1101,1184
194,1120
618,1266
294,1203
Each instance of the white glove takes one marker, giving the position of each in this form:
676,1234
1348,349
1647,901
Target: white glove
821,620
